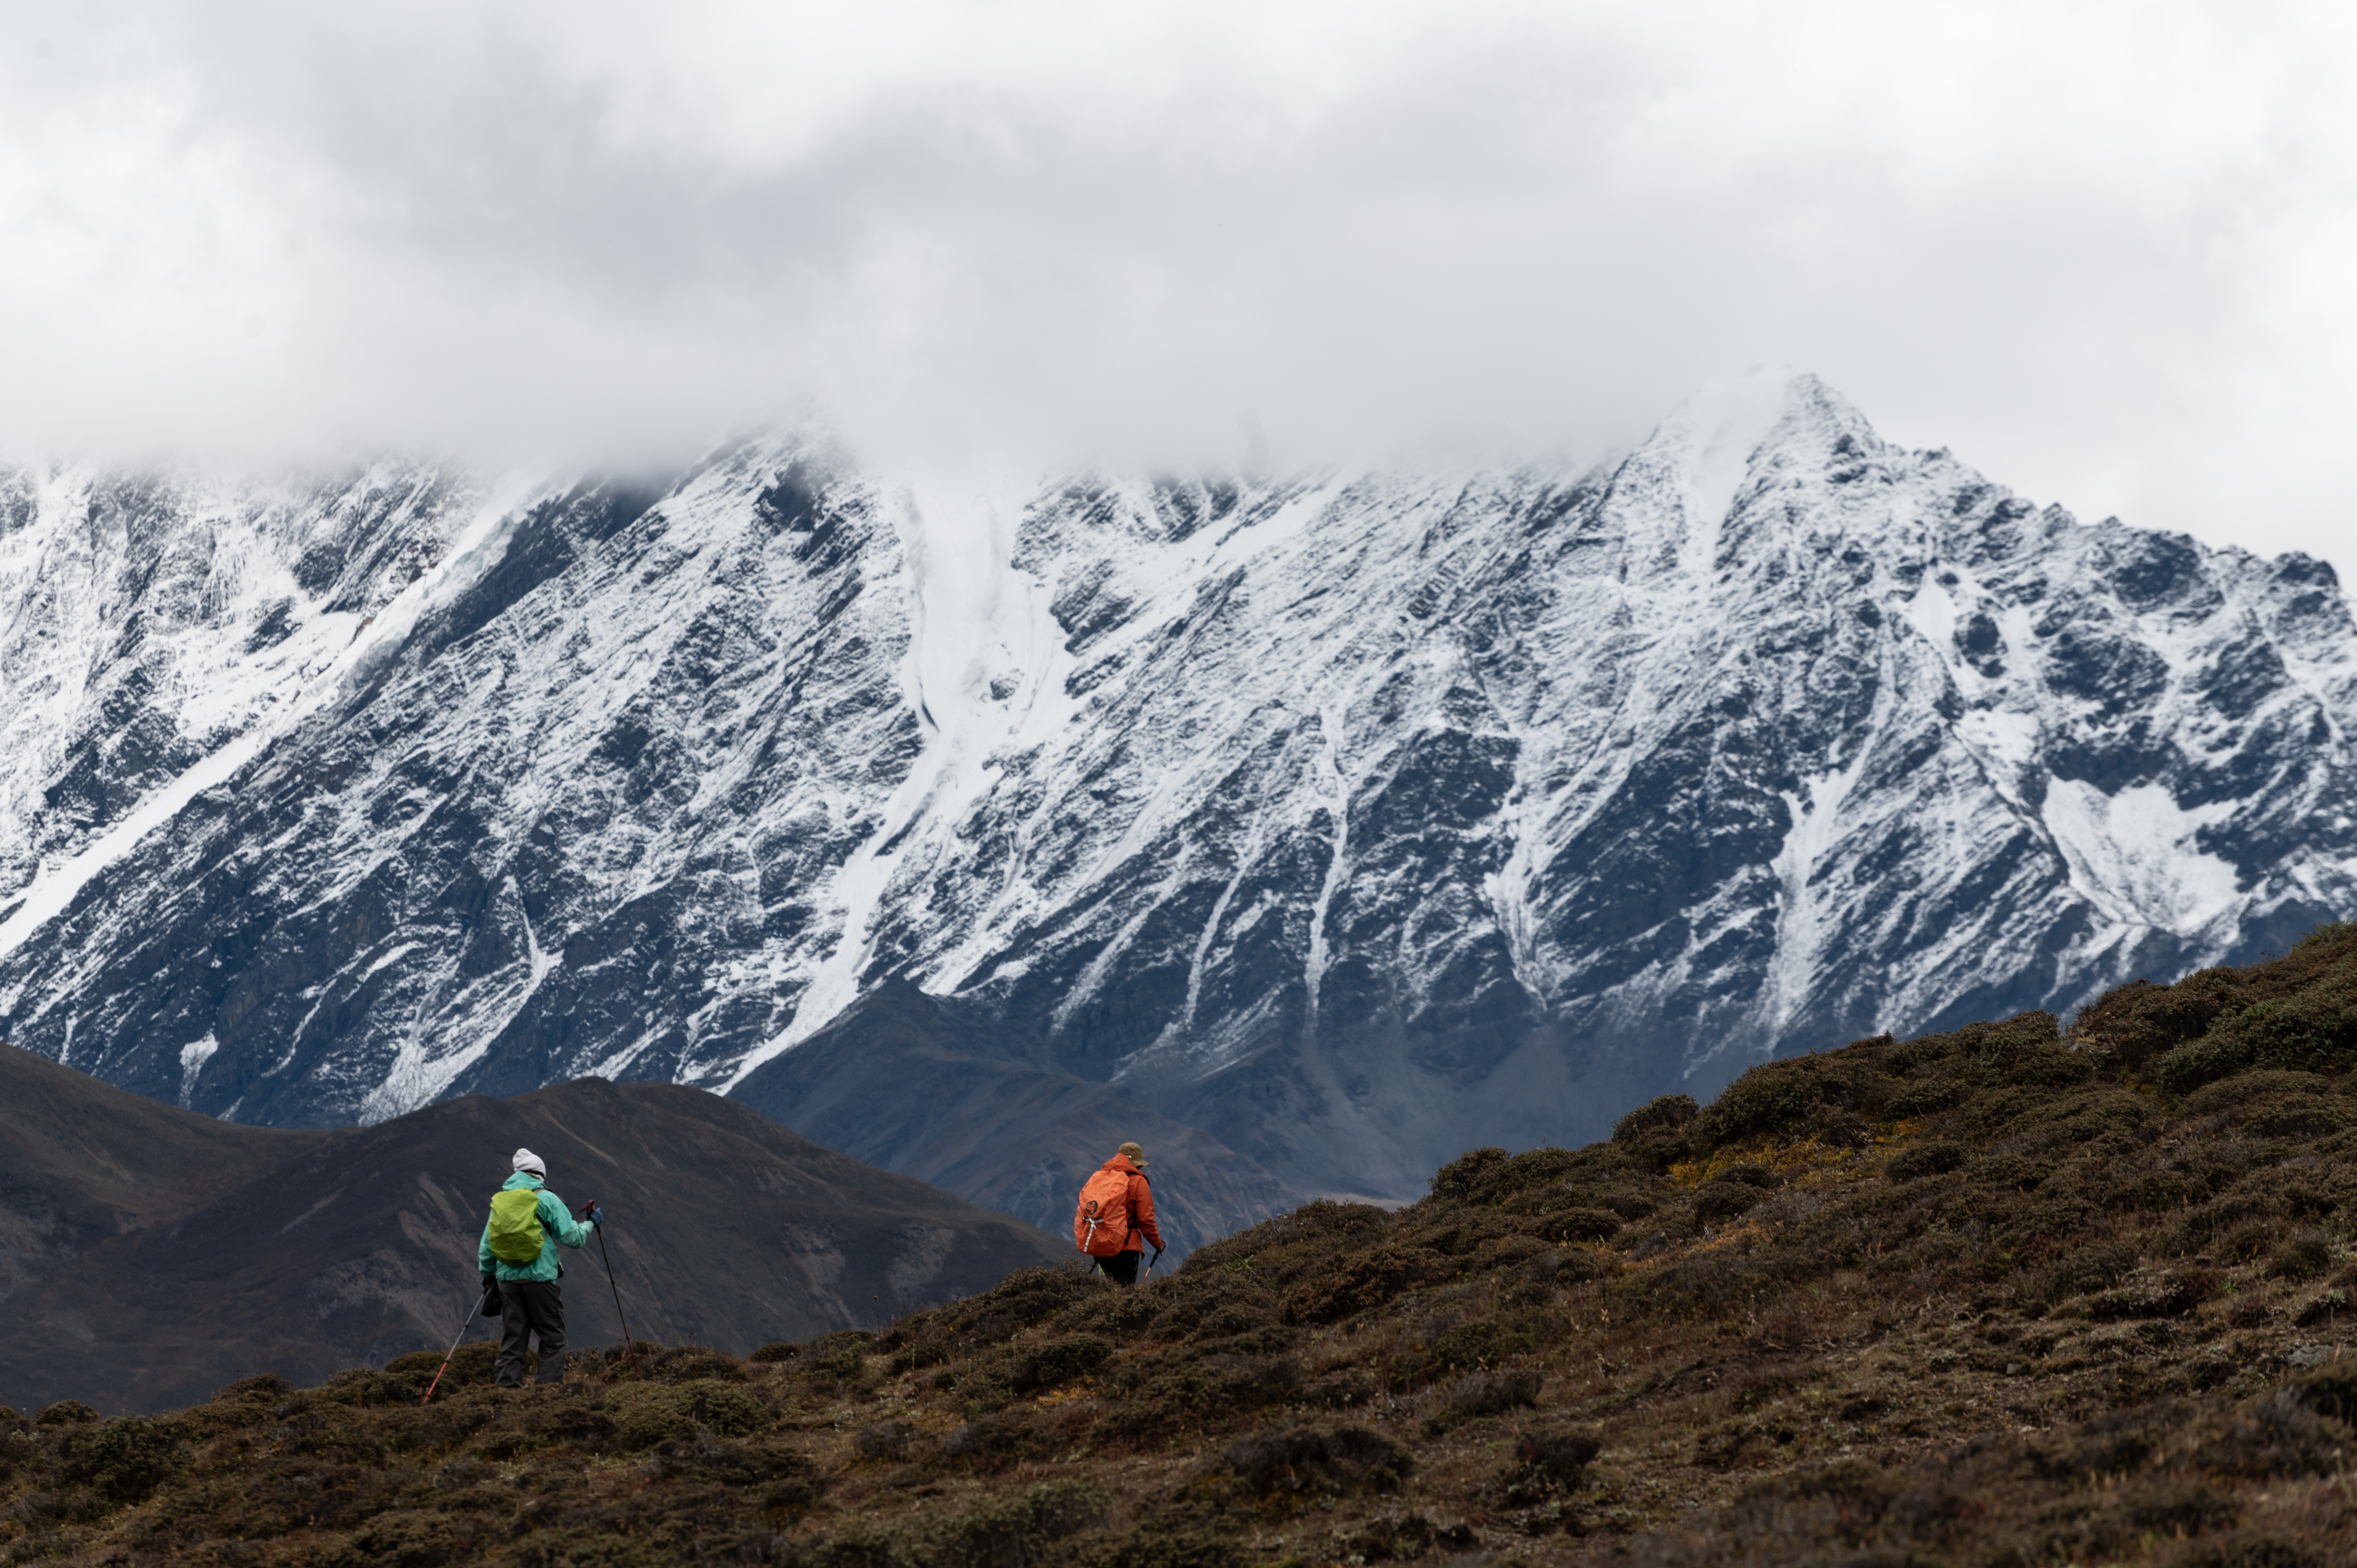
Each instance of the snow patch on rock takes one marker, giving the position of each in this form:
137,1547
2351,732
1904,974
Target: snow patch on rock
2135,855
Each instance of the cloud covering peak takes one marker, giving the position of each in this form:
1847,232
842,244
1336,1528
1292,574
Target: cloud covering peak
2094,248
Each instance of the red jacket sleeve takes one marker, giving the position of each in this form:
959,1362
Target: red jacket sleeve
1141,1213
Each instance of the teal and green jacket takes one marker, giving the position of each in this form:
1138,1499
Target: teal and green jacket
560,1225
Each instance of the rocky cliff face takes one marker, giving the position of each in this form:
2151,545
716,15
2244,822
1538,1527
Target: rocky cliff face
1352,820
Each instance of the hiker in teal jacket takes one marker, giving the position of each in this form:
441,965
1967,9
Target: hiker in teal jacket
529,1300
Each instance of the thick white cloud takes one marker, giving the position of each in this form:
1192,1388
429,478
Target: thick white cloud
2101,250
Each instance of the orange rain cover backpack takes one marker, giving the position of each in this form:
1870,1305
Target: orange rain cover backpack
1101,1225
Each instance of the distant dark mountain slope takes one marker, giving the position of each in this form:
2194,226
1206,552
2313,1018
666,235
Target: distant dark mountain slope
917,1083
247,1250
81,1163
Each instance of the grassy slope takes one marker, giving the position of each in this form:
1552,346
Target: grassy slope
1990,1297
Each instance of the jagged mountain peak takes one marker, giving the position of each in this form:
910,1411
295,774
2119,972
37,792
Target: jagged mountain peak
1352,817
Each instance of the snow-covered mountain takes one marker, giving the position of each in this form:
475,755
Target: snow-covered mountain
1353,819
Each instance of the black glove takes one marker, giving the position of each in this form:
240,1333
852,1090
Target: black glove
491,1295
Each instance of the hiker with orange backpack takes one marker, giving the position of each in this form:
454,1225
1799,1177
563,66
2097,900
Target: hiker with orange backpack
1115,1218
517,1257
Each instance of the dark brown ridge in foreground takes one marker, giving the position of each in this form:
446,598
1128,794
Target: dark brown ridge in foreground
1999,1297
149,1255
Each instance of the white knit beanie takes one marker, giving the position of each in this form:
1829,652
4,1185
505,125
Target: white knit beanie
525,1160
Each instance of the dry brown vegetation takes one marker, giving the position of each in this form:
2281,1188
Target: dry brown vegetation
1996,1296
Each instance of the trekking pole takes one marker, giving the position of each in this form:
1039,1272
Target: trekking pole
436,1383
629,1347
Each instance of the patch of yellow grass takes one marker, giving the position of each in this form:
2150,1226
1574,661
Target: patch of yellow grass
1738,1237
1802,1162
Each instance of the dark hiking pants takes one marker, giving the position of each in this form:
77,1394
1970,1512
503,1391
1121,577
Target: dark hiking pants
528,1307
1121,1267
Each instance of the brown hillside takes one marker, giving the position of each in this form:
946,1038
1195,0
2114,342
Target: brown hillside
1991,1297
80,1162
173,1254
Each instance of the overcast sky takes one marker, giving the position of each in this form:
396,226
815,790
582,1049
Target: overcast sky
2107,252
